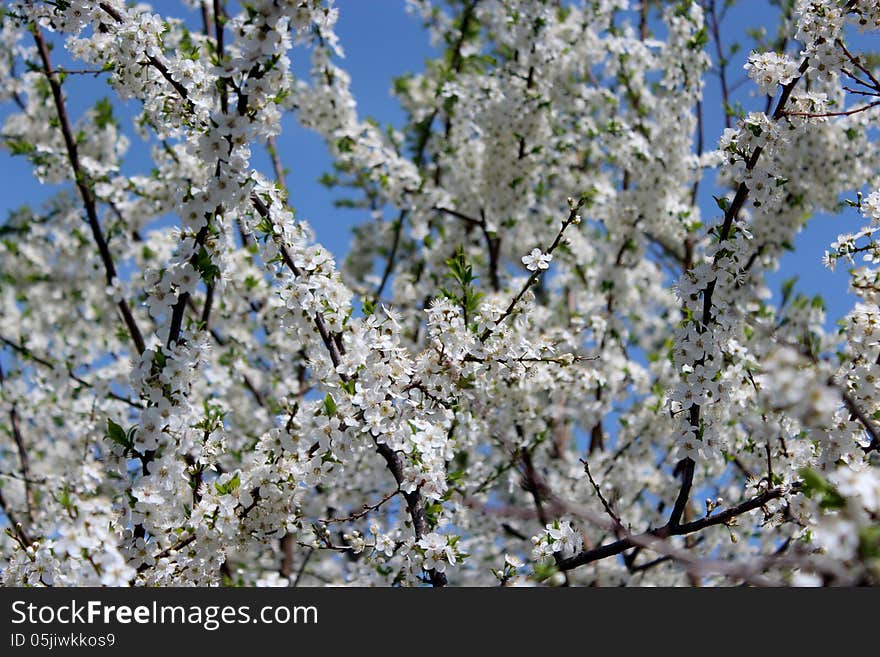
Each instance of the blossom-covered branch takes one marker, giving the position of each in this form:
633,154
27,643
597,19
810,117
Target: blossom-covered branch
540,346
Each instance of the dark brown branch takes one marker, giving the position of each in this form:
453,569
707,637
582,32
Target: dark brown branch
715,26
860,415
572,217
27,353
302,567
205,320
686,466
458,215
219,20
335,349
207,25
615,519
414,504
875,83
22,453
332,342
168,551
821,115
83,186
365,509
287,544
611,549
643,20
422,144
389,263
17,528
277,167
538,489
493,243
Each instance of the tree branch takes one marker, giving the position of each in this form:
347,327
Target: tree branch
82,185
610,549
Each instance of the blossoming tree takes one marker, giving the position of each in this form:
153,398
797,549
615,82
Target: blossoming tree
544,360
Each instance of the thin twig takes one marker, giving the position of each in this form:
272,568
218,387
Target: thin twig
365,509
30,355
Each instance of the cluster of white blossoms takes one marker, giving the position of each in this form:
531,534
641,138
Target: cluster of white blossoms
540,345
557,538
771,69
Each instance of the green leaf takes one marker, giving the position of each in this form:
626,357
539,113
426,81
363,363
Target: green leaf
432,513
64,498
699,40
723,203
788,288
206,266
816,485
544,571
345,144
462,273
328,180
20,147
401,84
104,113
230,486
329,405
869,542
117,434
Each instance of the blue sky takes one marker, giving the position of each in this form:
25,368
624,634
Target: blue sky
381,42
